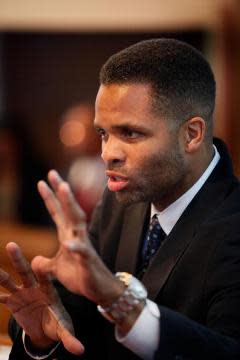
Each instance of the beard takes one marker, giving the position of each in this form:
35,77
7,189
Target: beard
159,179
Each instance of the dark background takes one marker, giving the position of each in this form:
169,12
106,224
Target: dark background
43,75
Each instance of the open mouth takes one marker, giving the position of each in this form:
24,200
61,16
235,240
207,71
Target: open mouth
116,182
116,178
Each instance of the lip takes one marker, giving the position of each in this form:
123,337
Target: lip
116,181
114,174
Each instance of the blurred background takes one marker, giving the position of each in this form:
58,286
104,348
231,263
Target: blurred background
50,56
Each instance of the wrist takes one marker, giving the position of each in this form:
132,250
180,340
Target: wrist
38,352
112,293
126,308
42,343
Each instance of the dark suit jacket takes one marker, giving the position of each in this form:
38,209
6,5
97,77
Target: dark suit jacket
194,277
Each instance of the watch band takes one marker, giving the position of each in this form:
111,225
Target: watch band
133,294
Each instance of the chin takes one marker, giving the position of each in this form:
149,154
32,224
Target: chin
129,197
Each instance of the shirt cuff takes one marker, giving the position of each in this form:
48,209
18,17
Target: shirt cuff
139,339
34,355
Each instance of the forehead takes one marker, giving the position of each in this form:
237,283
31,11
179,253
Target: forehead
127,99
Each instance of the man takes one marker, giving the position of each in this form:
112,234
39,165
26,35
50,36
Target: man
154,113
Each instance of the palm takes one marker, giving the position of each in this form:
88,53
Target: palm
81,270
36,306
28,306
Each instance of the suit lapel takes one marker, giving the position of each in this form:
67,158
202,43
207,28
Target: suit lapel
199,210
203,206
133,228
167,256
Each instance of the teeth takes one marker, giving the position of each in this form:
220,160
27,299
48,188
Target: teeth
116,178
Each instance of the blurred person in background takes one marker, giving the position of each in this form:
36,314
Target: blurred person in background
86,173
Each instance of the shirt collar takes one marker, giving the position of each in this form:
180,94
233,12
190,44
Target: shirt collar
169,216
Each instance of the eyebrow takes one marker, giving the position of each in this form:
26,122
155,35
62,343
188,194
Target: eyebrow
125,125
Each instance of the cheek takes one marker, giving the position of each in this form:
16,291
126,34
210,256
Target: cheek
163,163
154,157
143,153
147,165
140,159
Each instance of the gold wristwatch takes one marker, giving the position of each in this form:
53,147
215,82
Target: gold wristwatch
134,293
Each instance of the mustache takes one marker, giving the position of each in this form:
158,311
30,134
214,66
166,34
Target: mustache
116,167
118,170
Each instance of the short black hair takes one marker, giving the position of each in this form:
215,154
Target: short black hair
182,81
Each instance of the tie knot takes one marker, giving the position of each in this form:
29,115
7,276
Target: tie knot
155,237
154,221
154,225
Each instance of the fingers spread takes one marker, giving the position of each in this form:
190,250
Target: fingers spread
7,282
51,202
54,179
21,265
74,215
61,204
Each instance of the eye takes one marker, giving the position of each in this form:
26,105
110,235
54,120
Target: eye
102,133
130,134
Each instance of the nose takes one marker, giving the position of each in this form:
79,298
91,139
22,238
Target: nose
112,152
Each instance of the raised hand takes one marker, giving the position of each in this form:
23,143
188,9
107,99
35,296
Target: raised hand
36,306
76,265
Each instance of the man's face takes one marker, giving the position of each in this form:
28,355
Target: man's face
143,156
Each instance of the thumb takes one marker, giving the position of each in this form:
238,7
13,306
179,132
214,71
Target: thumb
70,342
43,266
65,330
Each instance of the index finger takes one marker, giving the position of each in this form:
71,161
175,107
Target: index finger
71,210
21,265
51,202
54,179
73,213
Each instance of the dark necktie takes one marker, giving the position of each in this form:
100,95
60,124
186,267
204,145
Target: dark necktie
155,237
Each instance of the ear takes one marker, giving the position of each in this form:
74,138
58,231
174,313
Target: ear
194,133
